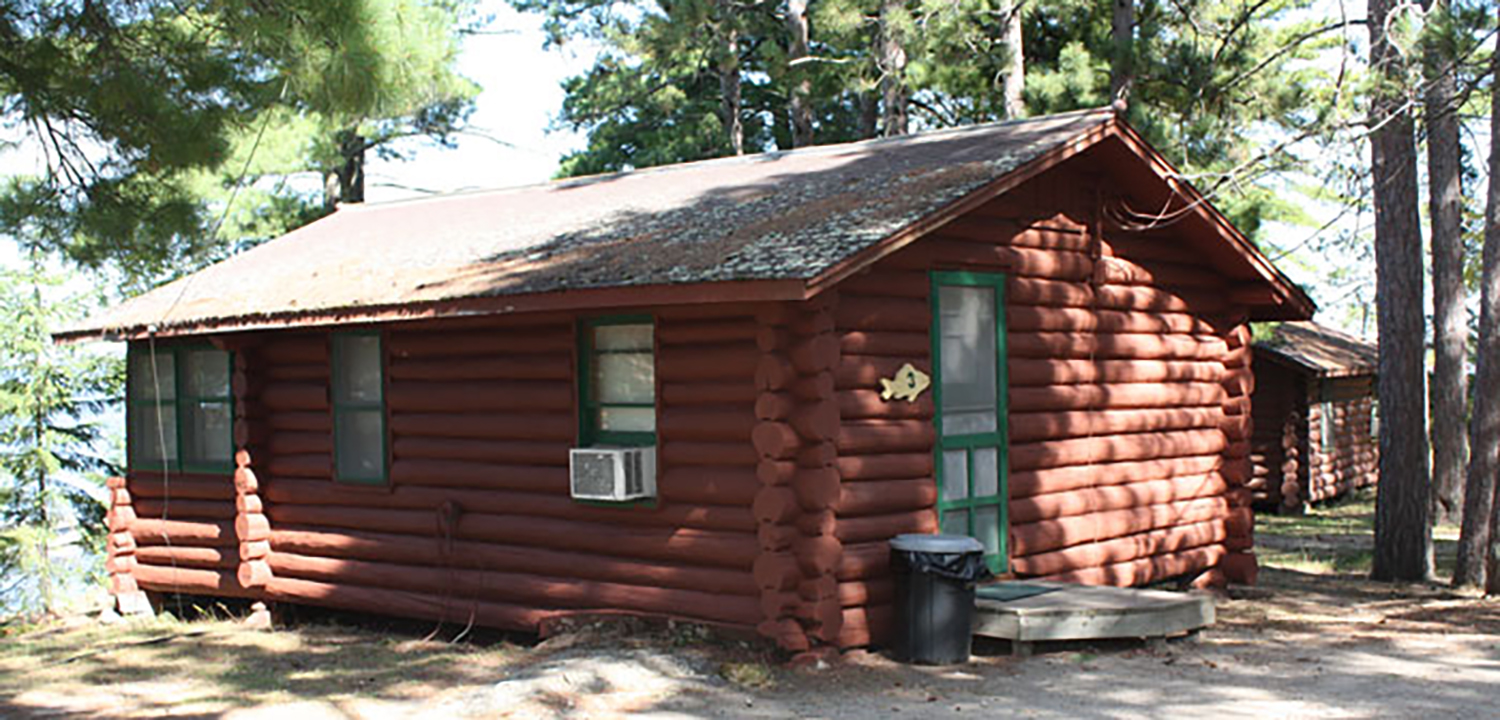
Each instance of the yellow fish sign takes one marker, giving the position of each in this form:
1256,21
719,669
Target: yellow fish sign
907,385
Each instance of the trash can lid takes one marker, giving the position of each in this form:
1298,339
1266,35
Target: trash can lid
945,544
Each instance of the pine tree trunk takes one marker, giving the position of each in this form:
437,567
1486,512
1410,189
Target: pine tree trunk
1480,523
1403,510
892,62
801,87
1015,64
1449,317
869,114
1122,60
346,184
729,77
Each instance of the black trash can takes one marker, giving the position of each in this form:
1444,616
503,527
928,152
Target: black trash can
935,577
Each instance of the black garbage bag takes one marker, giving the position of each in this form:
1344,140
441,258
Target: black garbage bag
934,596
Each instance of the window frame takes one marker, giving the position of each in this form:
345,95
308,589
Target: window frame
180,403
382,408
589,434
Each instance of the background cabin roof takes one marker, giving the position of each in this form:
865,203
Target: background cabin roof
774,226
1321,351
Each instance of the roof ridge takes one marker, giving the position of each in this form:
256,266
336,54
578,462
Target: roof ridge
811,150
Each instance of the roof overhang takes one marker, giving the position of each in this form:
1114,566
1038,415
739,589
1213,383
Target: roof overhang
1270,296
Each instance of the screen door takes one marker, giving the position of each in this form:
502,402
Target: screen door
968,337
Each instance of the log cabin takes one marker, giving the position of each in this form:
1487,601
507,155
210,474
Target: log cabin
710,391
1315,416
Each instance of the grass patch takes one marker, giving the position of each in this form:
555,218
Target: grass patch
1333,538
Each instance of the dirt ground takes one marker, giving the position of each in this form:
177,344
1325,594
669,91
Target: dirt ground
1310,640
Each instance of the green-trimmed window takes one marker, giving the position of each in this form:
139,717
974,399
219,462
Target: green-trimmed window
181,409
359,438
617,378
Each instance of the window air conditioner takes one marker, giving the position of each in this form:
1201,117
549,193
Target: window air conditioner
612,473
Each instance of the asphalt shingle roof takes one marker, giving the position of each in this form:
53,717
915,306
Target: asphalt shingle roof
1321,350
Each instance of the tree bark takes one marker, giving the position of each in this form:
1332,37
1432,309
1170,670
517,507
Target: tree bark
346,184
1122,60
1015,64
800,104
1480,522
1403,510
729,77
1449,317
892,64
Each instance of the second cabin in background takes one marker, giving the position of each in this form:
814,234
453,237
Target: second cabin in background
711,391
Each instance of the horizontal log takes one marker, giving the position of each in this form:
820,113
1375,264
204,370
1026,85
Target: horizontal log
868,404
875,528
490,396
1022,262
864,560
1097,555
863,437
520,588
1083,501
190,581
296,443
184,509
885,496
532,426
1145,571
738,393
713,331
1027,372
1034,318
1034,426
897,466
698,363
293,397
1057,533
189,557
708,485
484,451
1115,396
714,424
183,487
303,349
150,531
461,474
558,339
1115,448
404,603
307,465
880,282
316,422
856,593
499,367
280,372
695,452
910,346
393,548
1096,346
869,312
713,548
1002,232
1119,271
675,510
1025,483
863,372
816,488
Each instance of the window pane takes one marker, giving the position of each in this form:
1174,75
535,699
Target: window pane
627,419
207,434
361,449
987,528
142,370
625,378
356,377
206,373
967,329
986,472
153,433
955,522
623,337
955,474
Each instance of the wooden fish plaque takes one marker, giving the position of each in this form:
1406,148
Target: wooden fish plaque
907,385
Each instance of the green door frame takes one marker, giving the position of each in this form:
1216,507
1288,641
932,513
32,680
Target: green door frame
999,439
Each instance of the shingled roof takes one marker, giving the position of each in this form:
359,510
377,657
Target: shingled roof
1321,351
778,226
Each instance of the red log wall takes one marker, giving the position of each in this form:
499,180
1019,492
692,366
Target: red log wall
1293,464
1129,378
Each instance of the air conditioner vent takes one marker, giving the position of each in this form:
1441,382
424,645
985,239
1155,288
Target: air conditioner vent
613,474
